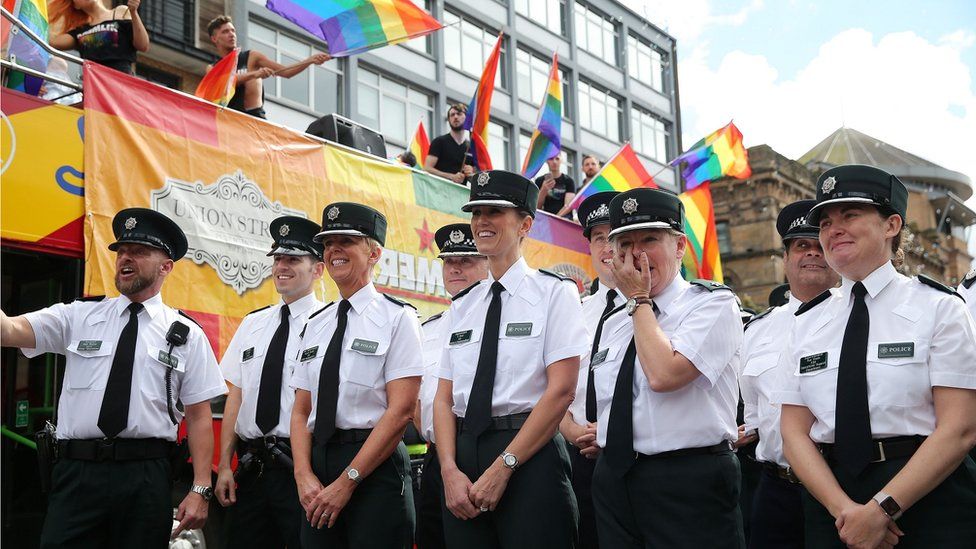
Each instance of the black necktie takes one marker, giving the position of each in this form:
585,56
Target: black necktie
477,417
114,414
852,431
325,411
590,389
619,451
269,394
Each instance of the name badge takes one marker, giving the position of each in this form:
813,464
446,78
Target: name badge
309,354
518,329
89,345
248,354
365,346
460,337
599,358
168,359
896,350
813,363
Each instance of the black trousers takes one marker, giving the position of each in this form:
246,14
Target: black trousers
109,504
582,481
430,521
751,472
537,510
944,518
674,502
268,514
380,514
777,514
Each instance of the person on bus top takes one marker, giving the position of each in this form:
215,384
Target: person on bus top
109,37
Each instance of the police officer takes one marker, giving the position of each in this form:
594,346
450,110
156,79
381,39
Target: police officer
880,397
508,375
357,379
967,289
579,424
665,377
777,506
266,510
463,266
118,417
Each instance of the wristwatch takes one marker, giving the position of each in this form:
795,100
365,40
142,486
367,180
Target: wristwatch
510,460
353,475
888,505
633,303
205,492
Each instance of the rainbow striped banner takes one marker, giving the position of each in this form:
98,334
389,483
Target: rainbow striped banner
624,171
354,26
479,110
23,50
420,145
545,142
220,82
701,258
719,154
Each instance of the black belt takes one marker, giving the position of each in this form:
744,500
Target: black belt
715,449
118,449
262,444
883,449
782,473
347,436
512,422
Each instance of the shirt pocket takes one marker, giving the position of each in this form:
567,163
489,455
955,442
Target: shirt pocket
760,363
605,370
252,362
88,368
520,344
464,348
364,360
818,380
896,379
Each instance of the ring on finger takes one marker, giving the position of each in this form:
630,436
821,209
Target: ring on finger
483,509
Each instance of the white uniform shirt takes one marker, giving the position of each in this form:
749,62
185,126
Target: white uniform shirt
969,294
434,337
87,333
541,324
704,326
593,306
919,338
762,344
243,362
381,344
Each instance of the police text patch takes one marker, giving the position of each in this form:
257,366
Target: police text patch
89,345
248,354
516,329
896,350
168,359
365,346
460,337
813,363
309,354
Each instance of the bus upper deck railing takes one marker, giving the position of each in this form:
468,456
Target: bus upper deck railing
19,27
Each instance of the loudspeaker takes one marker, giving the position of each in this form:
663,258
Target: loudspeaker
339,129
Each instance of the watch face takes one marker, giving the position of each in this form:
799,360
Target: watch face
631,305
511,460
890,506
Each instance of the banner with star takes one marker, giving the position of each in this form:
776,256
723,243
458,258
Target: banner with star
223,176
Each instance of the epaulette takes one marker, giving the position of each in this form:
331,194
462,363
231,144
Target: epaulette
932,283
399,302
463,292
90,298
188,317
433,318
557,275
813,303
258,310
709,285
757,317
311,316
970,278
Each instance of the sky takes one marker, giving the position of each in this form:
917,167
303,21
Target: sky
790,72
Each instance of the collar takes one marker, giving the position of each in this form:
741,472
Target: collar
363,297
601,293
512,278
153,305
666,298
300,306
874,282
793,304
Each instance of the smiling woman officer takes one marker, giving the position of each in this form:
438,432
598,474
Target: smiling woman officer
508,374
880,395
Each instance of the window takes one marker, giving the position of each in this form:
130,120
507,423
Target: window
467,47
424,44
645,63
650,135
550,14
596,34
568,158
391,107
498,139
532,74
724,237
599,111
319,87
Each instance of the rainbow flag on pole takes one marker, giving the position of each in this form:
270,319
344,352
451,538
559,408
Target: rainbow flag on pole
701,256
19,48
420,144
479,109
545,142
220,82
720,154
354,26
624,171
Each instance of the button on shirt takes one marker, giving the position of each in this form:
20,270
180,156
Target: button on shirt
244,360
593,306
706,329
434,338
541,323
381,344
919,338
86,332
762,345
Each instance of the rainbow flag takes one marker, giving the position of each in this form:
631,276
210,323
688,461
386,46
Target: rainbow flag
420,145
480,108
545,142
354,26
719,154
219,83
701,256
624,171
22,49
